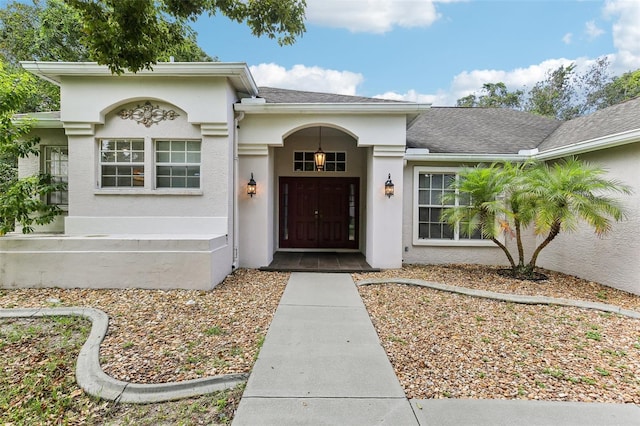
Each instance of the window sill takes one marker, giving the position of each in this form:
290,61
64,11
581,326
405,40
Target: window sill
154,192
454,243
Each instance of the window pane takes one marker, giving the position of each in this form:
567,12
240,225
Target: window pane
423,197
423,214
137,145
178,171
177,146
178,157
193,171
193,157
123,181
341,156
436,181
108,181
163,157
340,167
178,182
163,146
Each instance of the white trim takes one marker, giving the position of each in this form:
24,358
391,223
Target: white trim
595,144
237,72
331,108
463,158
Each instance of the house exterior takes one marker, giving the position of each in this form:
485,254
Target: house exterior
158,164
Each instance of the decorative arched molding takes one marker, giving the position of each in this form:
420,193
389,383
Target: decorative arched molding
319,124
159,104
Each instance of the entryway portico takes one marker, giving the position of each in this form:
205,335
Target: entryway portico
341,208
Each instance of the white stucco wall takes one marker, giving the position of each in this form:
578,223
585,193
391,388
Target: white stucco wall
613,260
205,113
379,141
142,237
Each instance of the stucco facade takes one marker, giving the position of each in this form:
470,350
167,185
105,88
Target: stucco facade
158,163
615,258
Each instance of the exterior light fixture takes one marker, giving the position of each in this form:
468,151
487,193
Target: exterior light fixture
319,156
388,187
251,187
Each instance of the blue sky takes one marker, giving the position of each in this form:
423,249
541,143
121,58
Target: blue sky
432,51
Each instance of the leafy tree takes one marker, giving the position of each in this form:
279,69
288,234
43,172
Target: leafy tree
495,95
553,96
51,30
622,88
133,34
21,200
507,198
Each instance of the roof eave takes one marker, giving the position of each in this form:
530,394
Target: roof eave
237,72
595,144
327,108
461,158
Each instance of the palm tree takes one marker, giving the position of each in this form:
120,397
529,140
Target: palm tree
569,192
506,198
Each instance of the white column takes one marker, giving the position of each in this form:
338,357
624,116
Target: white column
384,214
255,248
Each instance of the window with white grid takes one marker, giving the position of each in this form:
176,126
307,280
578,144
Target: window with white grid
177,164
122,163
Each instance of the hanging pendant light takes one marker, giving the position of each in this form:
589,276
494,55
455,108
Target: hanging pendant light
319,156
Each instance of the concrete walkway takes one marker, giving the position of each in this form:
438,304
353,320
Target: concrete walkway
322,362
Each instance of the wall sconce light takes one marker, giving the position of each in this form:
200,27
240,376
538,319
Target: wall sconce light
388,187
251,186
319,156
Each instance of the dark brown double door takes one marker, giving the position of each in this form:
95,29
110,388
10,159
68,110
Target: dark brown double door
319,212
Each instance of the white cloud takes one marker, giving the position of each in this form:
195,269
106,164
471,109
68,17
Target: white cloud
567,39
301,77
373,16
469,82
592,30
626,33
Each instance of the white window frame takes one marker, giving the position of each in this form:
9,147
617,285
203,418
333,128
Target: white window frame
335,162
46,163
150,164
186,163
456,241
125,164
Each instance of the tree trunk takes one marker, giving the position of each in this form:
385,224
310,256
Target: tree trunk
506,252
555,230
519,243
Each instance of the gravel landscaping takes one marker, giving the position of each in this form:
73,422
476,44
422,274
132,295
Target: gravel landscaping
441,345
452,346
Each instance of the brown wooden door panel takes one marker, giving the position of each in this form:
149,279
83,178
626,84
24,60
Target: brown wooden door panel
319,212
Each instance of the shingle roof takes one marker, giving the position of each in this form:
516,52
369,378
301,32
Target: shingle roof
276,96
478,130
614,119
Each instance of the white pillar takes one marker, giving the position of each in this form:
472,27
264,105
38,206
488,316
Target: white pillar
384,214
255,248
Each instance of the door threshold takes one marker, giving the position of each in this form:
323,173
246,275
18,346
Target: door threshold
316,250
